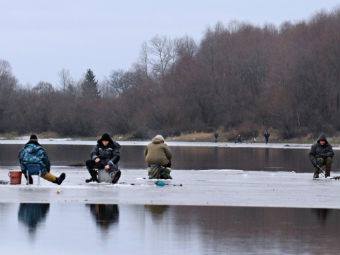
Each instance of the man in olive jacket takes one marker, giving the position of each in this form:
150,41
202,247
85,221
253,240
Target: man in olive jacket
321,156
158,157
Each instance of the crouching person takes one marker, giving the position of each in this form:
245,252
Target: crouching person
158,157
34,161
321,156
103,165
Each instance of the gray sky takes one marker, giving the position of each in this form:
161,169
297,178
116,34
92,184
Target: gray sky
40,37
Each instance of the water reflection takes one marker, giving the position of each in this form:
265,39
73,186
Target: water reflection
31,215
237,230
169,230
321,214
156,211
266,155
105,215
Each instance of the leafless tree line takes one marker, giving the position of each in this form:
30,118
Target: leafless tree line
238,75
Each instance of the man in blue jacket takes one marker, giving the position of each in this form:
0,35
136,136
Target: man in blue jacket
34,160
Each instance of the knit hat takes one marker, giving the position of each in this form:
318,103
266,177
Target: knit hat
106,137
33,137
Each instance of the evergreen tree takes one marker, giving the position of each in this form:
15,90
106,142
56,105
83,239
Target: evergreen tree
89,86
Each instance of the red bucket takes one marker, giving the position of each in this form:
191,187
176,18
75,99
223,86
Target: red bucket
15,177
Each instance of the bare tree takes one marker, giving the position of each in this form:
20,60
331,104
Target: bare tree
161,54
239,76
66,80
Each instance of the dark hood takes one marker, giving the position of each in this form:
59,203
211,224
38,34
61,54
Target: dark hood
106,138
322,137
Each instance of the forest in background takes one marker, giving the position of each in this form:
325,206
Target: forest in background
238,77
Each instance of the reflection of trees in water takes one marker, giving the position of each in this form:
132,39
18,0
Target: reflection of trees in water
105,215
240,228
156,211
266,156
32,214
321,214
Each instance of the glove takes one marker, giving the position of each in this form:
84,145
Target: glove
313,160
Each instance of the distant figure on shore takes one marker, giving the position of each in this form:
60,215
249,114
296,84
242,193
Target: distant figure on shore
216,137
321,156
104,161
266,136
238,139
158,157
34,161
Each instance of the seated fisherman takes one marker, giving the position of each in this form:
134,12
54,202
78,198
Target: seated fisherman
34,160
321,156
158,157
104,157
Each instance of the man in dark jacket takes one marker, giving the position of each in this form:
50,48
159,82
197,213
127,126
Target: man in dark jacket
321,156
266,135
34,161
104,160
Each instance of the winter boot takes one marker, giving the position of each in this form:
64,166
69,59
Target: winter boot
93,178
30,181
116,177
327,173
89,180
316,174
60,179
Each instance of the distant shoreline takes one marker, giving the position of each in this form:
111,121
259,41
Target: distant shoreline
195,137
70,141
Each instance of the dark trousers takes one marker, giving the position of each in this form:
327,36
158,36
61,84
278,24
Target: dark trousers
91,165
326,163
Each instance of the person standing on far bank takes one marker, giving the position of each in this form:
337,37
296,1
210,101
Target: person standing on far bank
266,136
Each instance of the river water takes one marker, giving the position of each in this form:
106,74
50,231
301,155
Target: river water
198,158
73,228
127,229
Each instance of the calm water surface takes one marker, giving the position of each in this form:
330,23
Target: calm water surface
184,157
126,229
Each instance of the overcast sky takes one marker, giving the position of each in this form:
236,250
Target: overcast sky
40,37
